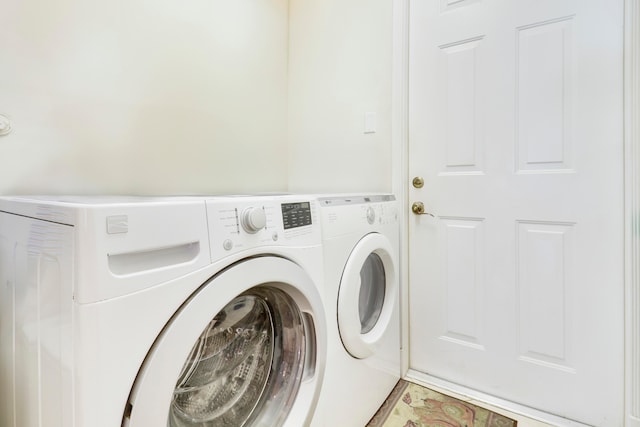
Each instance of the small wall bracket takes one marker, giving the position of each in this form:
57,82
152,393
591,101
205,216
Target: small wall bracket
5,125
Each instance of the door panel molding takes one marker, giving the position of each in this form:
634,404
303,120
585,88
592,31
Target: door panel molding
632,210
544,96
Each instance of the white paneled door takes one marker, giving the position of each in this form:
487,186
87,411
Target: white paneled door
516,282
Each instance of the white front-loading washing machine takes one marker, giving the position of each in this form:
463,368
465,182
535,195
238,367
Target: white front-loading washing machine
361,295
150,312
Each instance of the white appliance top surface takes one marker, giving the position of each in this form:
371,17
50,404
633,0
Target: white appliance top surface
63,208
119,199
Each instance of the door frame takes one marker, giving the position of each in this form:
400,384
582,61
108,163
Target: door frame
632,210
400,180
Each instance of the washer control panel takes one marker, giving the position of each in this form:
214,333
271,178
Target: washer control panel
345,214
242,223
296,215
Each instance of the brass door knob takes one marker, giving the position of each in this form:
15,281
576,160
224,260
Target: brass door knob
418,209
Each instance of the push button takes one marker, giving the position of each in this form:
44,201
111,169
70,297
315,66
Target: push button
117,224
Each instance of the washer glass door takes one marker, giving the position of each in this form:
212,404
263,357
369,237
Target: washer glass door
245,349
367,295
246,365
372,292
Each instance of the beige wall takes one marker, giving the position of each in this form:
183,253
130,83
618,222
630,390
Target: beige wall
339,68
143,97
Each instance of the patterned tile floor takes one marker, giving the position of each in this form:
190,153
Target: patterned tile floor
411,405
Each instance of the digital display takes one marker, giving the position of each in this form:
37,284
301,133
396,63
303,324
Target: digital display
296,214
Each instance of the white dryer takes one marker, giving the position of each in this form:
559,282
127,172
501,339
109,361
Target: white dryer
176,312
361,295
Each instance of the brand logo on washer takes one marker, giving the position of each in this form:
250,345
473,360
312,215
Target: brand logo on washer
117,224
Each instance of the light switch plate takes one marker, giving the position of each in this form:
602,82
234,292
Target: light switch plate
370,122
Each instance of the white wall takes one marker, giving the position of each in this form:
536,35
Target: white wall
143,97
340,59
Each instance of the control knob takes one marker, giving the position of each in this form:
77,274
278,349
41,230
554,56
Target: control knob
253,219
371,215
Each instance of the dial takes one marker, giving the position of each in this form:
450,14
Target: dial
371,215
253,219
